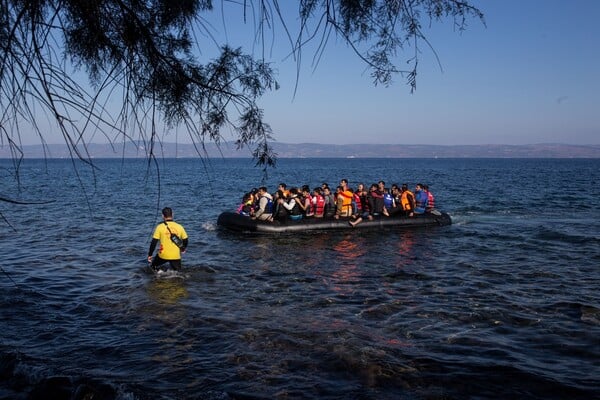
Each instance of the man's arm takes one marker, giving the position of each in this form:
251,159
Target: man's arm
185,245
151,249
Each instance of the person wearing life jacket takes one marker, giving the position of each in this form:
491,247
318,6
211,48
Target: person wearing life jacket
280,214
284,191
356,203
393,205
343,202
421,199
292,206
430,199
407,200
388,200
254,197
330,206
264,212
305,202
318,203
373,206
405,203
245,207
375,199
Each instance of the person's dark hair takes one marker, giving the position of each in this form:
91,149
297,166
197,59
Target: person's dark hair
283,185
167,212
426,187
305,188
263,188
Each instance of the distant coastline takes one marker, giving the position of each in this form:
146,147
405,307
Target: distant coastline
314,150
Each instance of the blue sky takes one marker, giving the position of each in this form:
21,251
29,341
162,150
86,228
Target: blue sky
531,75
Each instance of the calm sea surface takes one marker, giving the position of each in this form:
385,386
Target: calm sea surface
502,304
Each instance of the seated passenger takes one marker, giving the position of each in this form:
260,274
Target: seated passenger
305,202
254,196
330,205
394,206
284,192
420,199
343,202
292,205
279,213
364,212
264,212
375,199
388,200
318,203
430,199
357,205
405,203
245,208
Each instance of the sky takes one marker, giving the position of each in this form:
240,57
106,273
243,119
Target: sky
530,75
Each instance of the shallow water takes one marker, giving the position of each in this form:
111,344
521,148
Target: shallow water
502,304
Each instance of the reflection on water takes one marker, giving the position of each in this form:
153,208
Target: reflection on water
167,288
346,274
404,249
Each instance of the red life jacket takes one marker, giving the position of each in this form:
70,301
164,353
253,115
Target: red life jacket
430,201
357,202
319,205
309,208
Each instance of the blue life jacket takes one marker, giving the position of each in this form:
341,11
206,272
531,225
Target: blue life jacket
269,206
388,200
421,200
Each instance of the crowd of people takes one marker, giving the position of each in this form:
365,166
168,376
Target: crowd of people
355,205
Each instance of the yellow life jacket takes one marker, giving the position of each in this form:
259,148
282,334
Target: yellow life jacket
407,205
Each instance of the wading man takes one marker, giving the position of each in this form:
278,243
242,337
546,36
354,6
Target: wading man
173,241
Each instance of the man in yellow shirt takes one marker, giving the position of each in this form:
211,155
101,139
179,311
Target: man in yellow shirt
168,233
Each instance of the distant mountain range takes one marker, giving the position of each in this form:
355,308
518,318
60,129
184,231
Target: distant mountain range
310,150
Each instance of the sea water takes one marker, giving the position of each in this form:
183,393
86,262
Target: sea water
503,303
